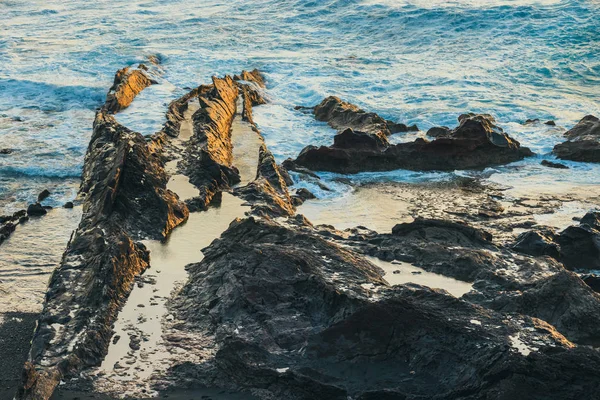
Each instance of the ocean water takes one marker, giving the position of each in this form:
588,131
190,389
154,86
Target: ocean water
412,61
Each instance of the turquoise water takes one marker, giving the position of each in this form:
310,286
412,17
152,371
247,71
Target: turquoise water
414,61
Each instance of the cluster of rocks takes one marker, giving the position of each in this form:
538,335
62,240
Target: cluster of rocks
124,198
293,314
577,247
285,309
8,223
362,144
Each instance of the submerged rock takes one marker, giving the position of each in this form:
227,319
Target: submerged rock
583,142
476,143
551,164
43,195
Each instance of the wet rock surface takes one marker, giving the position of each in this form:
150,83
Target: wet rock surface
291,314
277,307
124,198
583,142
208,158
476,143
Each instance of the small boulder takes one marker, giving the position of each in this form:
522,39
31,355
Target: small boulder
68,204
43,195
36,209
439,131
536,244
551,164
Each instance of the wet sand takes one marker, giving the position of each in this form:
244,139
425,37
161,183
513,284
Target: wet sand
16,330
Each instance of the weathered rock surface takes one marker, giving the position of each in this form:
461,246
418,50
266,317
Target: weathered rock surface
128,83
577,247
292,315
120,169
124,199
503,280
583,142
342,115
476,143
208,157
268,193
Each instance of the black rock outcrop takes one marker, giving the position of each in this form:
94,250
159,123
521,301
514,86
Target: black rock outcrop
476,143
583,142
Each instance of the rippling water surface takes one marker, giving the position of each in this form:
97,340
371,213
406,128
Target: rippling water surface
415,61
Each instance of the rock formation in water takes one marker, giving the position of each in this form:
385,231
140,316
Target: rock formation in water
476,143
583,142
342,115
279,308
208,158
129,82
125,199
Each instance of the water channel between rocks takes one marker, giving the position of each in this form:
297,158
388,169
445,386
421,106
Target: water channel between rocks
138,351
397,273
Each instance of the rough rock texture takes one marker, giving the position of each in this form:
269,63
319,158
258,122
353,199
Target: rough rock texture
476,143
342,115
176,110
128,83
577,247
583,142
120,169
124,199
268,193
251,84
290,315
503,280
536,243
208,157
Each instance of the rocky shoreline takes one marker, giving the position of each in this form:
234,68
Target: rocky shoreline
279,307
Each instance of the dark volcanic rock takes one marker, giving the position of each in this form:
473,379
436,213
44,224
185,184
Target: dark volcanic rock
580,247
475,144
35,210
124,199
503,280
6,151
551,164
349,139
439,131
68,204
400,128
537,244
294,316
583,141
43,195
